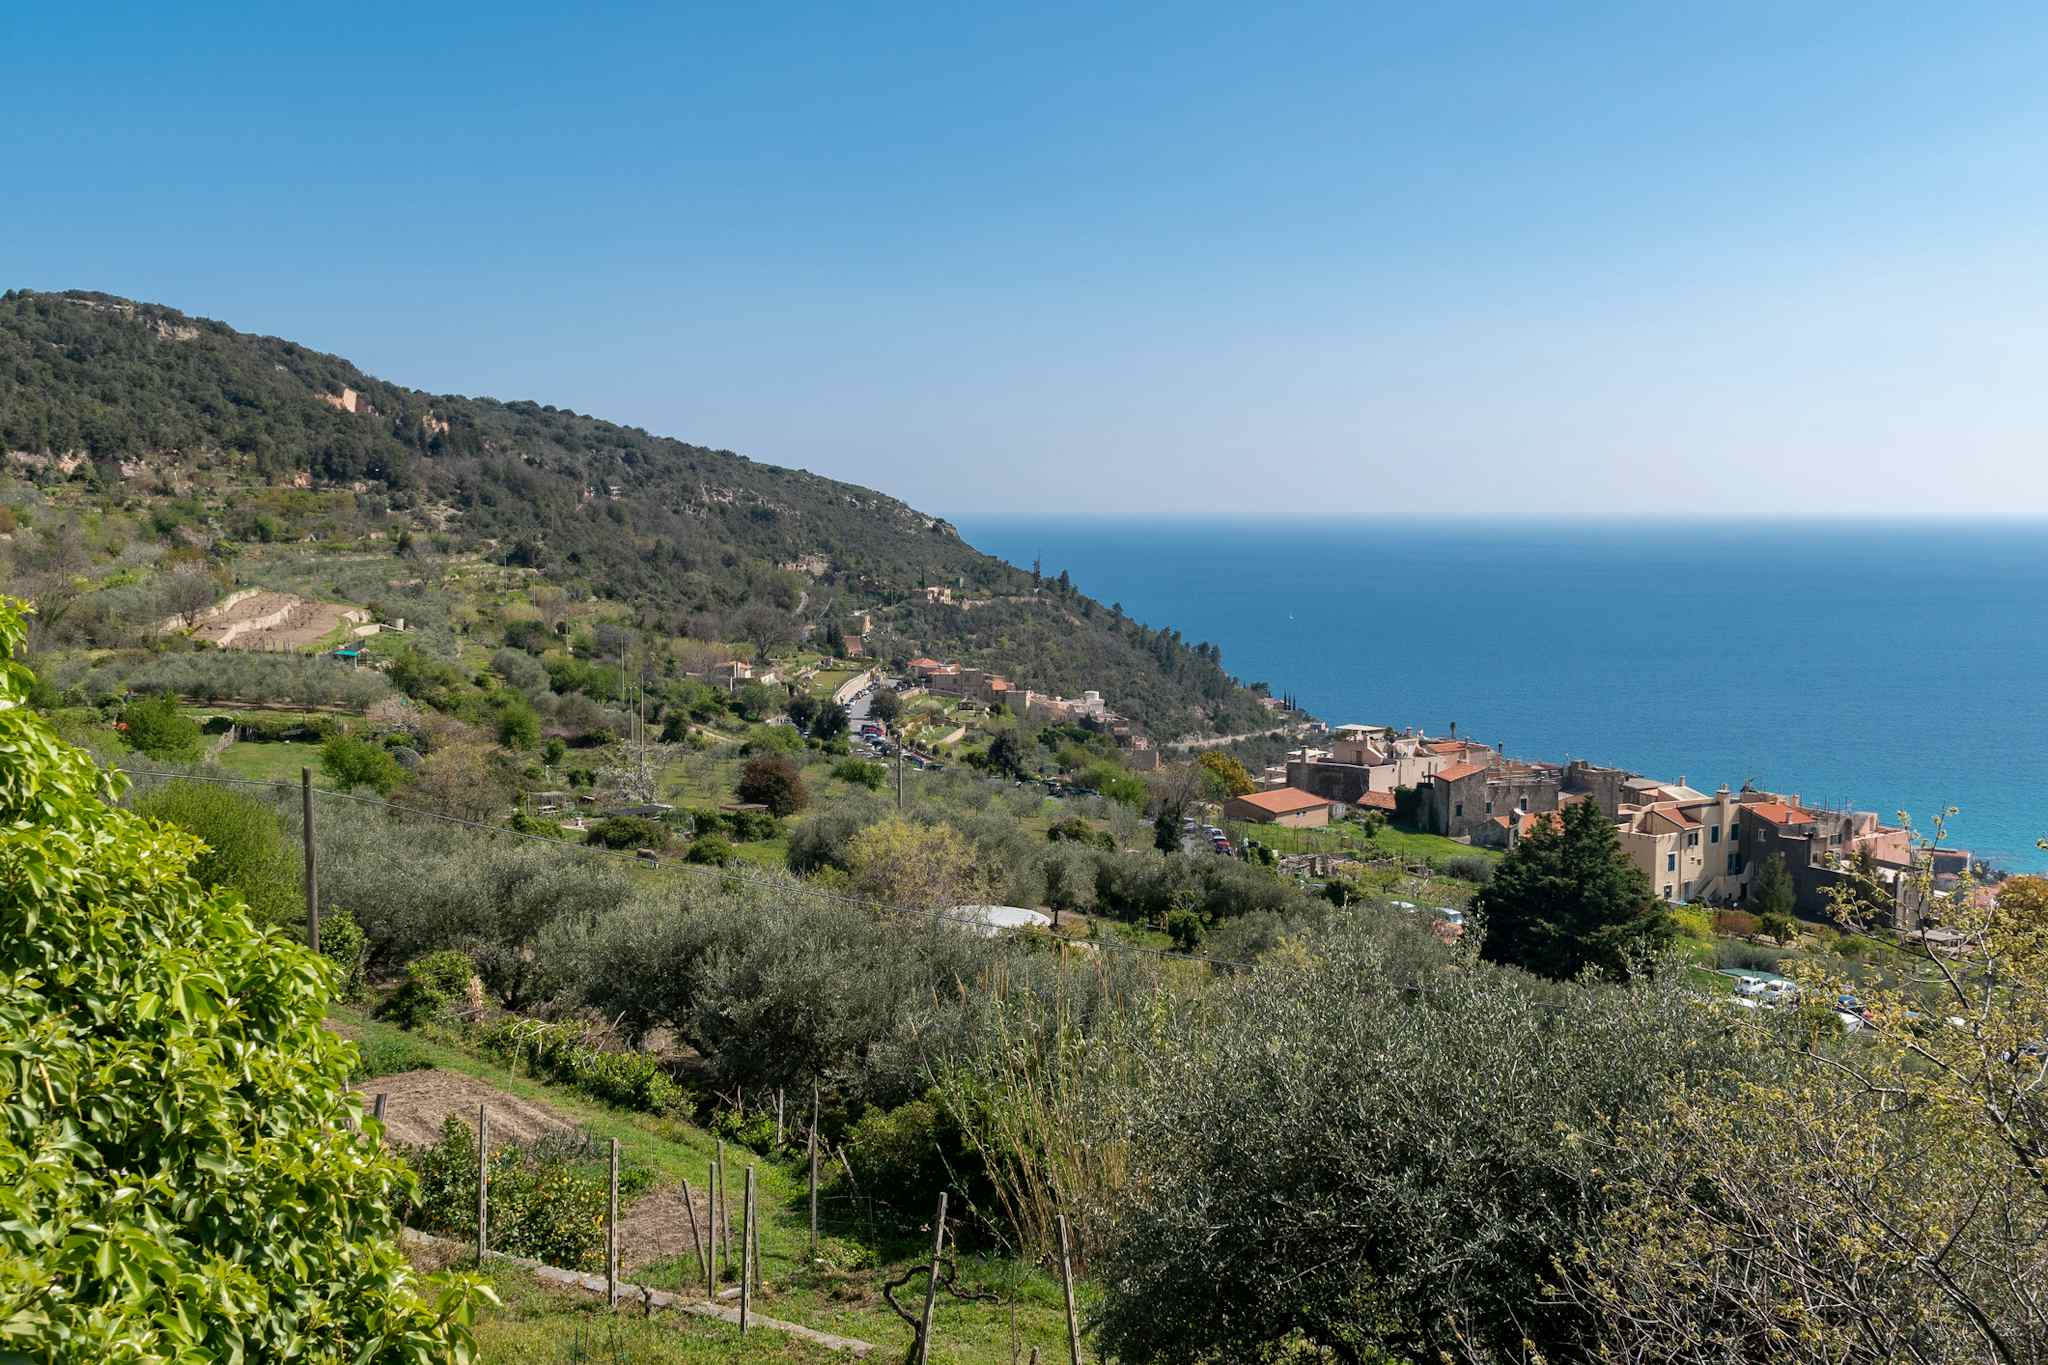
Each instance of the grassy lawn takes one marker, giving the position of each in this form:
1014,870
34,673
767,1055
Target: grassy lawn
272,762
827,681
1347,837
542,1325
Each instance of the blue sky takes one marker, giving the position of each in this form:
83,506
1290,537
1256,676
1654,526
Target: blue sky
1745,260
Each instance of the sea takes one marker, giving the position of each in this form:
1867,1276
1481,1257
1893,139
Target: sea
1887,667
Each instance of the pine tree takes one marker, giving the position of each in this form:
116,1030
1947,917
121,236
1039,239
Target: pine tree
1567,899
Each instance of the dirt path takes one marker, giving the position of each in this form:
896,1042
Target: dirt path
417,1102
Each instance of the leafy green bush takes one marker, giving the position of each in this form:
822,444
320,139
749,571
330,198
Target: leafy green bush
432,985
755,1131
174,1151
628,831
386,1056
343,944
154,726
246,849
631,1080
860,773
351,762
712,850
1469,867
540,1204
912,1152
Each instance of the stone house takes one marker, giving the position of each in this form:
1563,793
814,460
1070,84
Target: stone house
1282,806
1458,800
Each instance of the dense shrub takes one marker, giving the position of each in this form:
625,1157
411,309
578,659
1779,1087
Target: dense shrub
1736,923
774,781
350,762
628,831
915,1150
343,944
632,1080
155,727
860,773
711,850
541,1205
246,849
821,839
1469,867
432,986
389,1056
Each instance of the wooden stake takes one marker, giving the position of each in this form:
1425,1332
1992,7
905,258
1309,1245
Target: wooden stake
814,1171
711,1235
611,1233
483,1183
931,1287
312,873
746,1247
377,1106
724,1211
754,1237
696,1242
778,1118
1067,1285
1034,1355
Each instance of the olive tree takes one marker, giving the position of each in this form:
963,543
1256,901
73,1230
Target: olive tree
1379,1148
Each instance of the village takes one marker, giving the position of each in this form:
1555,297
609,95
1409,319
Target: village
1694,847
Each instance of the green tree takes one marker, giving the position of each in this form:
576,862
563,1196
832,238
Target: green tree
255,1226
900,862
246,849
1006,756
1226,776
155,727
830,723
774,781
802,710
1567,899
1772,893
518,726
860,773
352,762
885,705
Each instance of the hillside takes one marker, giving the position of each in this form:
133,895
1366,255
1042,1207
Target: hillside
211,429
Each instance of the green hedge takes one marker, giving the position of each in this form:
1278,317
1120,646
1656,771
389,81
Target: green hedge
631,1080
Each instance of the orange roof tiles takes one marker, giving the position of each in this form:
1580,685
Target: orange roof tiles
1458,772
1777,813
1377,801
1283,800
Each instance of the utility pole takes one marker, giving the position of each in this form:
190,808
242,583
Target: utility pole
312,873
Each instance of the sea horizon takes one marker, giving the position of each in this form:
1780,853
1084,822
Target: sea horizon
1878,666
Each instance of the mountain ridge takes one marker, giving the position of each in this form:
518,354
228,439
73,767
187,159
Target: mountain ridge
700,541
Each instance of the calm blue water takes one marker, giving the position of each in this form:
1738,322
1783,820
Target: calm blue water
1889,668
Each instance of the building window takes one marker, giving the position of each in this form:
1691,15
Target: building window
1459,809
1692,838
1670,865
1667,891
1489,807
1714,835
1734,864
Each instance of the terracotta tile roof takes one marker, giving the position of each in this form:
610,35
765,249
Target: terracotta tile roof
1777,813
1283,800
1453,746
1377,801
1530,819
1458,772
926,663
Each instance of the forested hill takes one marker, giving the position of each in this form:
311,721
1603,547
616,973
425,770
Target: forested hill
142,401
